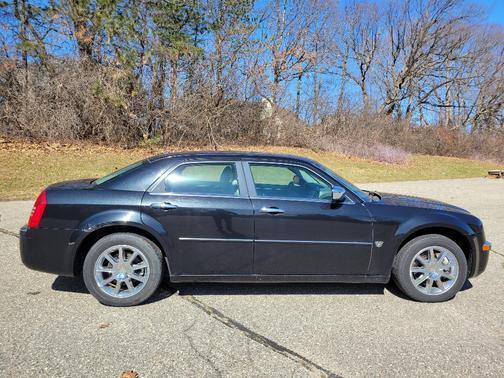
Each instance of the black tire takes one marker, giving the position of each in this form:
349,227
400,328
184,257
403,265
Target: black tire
404,258
152,254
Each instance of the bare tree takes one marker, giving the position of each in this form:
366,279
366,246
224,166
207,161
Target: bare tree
231,27
483,96
363,20
416,42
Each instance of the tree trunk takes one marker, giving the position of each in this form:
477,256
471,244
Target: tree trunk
219,71
84,39
20,14
161,83
344,77
315,88
173,80
218,50
298,92
365,97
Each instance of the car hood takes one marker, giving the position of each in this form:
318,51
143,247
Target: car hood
418,202
72,184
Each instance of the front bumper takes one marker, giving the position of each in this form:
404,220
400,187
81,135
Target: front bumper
47,250
480,256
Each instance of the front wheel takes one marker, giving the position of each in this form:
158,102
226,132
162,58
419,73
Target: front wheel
430,268
123,269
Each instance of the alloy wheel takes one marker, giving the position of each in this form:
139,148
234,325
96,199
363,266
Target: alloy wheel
121,271
434,270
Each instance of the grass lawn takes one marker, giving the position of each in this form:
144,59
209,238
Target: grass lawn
25,169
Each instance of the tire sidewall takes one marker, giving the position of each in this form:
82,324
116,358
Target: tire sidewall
152,254
406,255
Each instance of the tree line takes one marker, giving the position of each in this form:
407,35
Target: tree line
221,68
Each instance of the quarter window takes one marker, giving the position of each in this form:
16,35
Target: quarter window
288,181
203,178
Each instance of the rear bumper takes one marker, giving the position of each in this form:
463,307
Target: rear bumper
47,250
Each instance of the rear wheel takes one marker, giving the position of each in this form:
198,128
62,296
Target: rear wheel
123,269
430,268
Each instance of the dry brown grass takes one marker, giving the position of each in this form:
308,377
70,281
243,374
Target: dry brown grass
26,168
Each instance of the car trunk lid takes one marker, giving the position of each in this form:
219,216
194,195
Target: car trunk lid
73,184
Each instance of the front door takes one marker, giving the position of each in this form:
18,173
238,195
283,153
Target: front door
207,217
298,231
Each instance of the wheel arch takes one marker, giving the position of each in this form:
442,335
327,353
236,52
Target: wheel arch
463,240
92,237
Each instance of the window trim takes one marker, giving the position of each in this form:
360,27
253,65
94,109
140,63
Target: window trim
253,194
239,172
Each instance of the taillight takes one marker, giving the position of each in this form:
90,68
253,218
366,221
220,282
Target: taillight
37,211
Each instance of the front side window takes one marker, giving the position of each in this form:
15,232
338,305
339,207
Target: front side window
288,181
203,179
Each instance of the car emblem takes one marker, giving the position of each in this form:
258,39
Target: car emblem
378,243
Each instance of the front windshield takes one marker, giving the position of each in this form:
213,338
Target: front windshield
354,189
117,173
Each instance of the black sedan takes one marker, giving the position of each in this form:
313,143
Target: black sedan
246,217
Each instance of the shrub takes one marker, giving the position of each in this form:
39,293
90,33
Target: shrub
79,100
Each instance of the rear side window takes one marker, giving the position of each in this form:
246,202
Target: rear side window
203,179
118,173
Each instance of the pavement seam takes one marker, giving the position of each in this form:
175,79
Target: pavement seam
254,336
498,253
10,233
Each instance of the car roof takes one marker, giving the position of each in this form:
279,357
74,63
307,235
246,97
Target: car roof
239,155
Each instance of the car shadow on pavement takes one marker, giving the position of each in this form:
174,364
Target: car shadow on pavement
69,284
278,289
76,285
291,289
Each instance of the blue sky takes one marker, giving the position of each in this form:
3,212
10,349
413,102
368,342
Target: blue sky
495,10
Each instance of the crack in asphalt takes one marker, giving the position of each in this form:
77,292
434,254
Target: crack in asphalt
10,233
498,253
263,340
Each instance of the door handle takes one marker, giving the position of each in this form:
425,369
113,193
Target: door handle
163,205
271,210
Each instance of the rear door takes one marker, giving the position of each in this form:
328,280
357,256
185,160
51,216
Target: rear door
208,217
298,231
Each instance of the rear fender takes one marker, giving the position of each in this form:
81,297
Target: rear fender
111,218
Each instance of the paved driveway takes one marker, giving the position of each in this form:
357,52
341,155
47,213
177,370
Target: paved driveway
50,326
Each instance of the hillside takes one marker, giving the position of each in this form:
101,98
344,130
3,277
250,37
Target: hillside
25,169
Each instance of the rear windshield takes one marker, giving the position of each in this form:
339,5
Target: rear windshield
118,173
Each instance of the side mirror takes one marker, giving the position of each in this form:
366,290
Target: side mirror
337,193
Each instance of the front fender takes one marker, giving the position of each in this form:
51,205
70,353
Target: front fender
395,236
423,221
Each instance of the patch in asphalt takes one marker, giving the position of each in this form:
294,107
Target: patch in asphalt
268,343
